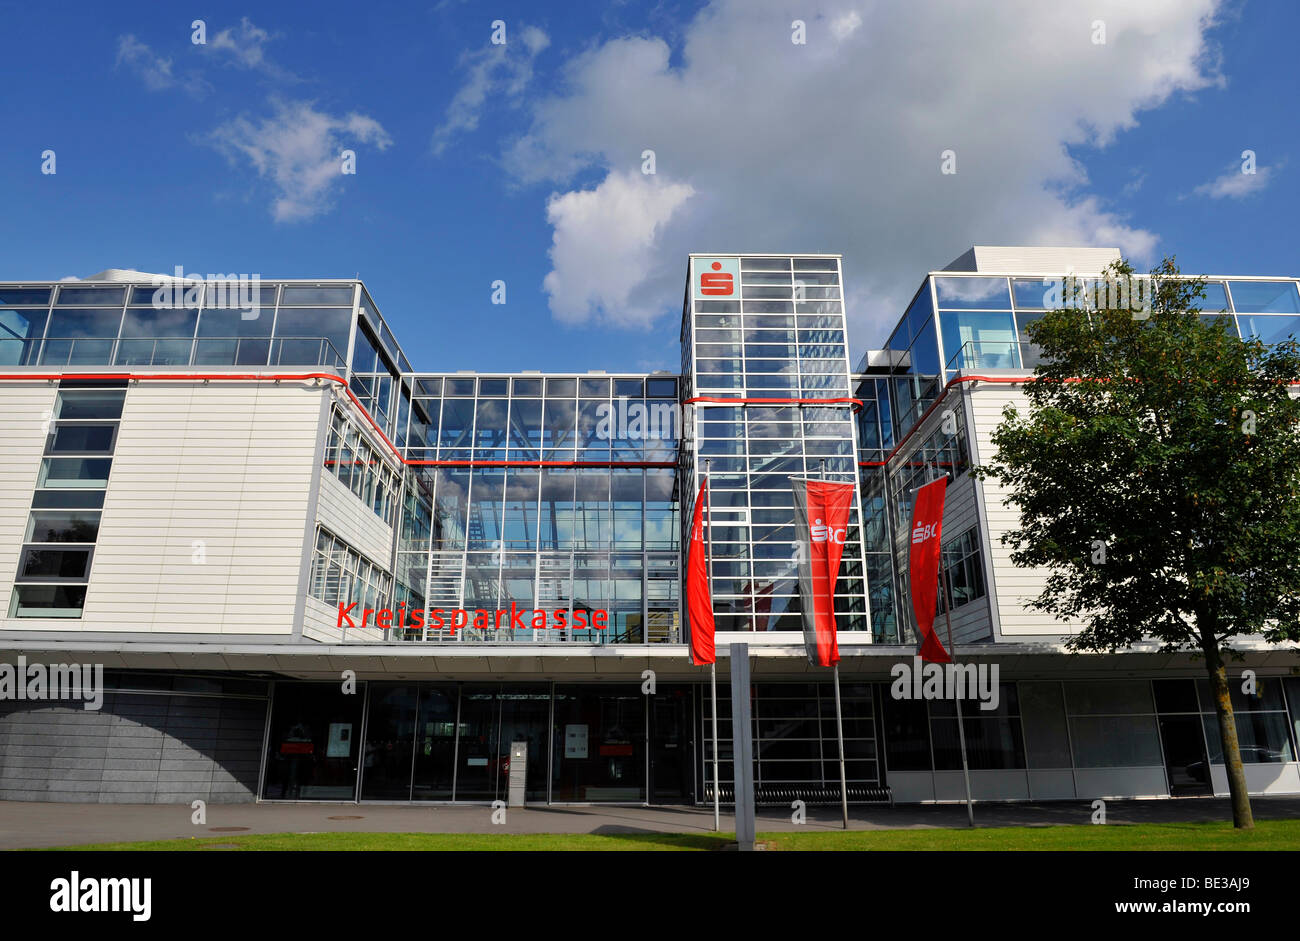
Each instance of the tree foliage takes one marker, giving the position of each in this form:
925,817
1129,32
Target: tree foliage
1157,474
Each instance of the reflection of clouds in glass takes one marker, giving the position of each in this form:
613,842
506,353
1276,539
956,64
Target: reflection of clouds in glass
967,291
1269,328
660,530
1272,297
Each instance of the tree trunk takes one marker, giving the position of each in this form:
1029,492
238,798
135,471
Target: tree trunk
1242,818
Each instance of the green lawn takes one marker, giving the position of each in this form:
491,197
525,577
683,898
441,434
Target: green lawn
1268,835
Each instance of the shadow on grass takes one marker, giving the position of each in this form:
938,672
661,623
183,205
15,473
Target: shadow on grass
634,835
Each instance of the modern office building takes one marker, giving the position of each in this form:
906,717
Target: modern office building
312,572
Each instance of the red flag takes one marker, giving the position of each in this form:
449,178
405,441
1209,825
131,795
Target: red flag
699,600
821,524
923,565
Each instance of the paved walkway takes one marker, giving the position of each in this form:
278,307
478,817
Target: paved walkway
47,824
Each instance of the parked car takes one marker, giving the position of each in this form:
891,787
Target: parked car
1250,755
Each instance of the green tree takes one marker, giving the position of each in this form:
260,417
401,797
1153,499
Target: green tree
1157,475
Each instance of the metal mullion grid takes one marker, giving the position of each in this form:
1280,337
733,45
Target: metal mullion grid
537,572
275,317
1160,739
198,321
1236,320
428,556
352,333
361,758
45,327
1291,724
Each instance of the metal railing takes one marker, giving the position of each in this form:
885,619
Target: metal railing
995,354
178,351
769,794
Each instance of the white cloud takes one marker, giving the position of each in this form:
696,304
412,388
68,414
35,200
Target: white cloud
842,27
1136,180
1233,184
245,46
600,235
154,70
501,70
835,145
244,43
298,149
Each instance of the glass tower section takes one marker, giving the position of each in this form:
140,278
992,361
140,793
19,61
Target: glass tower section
766,393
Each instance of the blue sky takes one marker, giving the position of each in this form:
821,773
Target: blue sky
524,161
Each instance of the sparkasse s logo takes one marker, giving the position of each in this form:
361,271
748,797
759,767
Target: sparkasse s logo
823,533
716,278
717,281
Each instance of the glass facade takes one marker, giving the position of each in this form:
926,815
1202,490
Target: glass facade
968,321
569,493
447,741
191,323
983,319
555,493
766,385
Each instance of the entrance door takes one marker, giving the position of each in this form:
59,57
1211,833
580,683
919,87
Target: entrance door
1185,762
671,748
313,752
490,720
435,743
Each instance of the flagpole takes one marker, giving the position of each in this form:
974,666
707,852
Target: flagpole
839,716
952,653
713,667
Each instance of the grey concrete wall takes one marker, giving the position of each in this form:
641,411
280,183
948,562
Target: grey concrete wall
139,748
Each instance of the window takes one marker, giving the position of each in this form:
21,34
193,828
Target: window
82,438
342,575
1265,297
972,293
1113,724
316,296
1262,731
63,525
20,335
360,468
964,564
74,472
979,340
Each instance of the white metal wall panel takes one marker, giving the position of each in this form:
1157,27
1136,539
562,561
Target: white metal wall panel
344,514
1015,586
206,509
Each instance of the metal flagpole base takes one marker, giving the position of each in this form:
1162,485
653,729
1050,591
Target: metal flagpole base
965,771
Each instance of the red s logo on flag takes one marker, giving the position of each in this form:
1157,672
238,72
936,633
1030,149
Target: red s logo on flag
923,565
822,511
